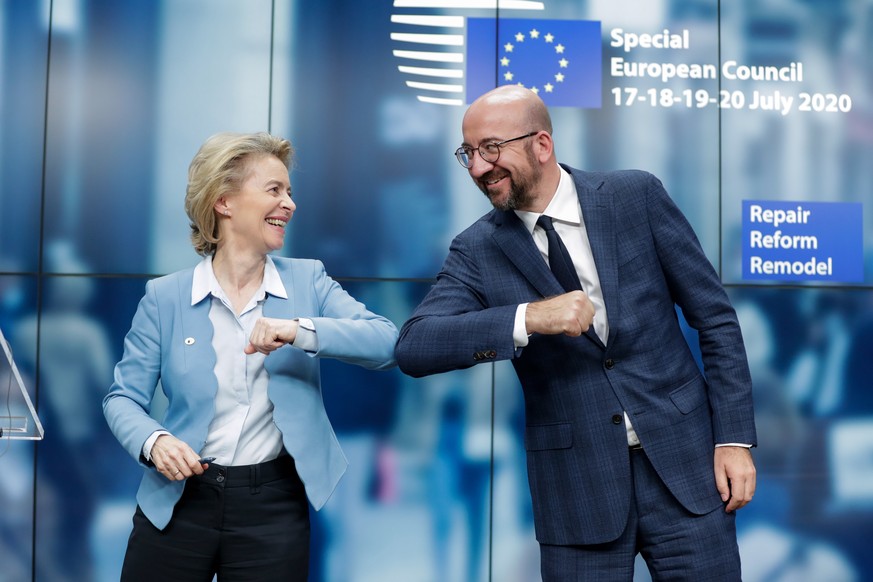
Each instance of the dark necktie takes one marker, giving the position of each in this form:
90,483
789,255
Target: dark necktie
559,259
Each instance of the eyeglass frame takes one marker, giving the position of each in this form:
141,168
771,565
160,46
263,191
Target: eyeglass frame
462,151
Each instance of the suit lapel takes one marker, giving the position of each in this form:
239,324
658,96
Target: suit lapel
193,338
197,329
517,244
280,308
598,211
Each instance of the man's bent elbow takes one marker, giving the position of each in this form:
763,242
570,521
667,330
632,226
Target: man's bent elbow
407,361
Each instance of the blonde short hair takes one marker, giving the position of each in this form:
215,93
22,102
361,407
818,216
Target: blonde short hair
219,169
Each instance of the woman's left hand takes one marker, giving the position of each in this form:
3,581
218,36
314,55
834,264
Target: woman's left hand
270,334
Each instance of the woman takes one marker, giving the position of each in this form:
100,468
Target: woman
235,343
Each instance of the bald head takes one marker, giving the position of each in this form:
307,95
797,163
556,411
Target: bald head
514,101
520,171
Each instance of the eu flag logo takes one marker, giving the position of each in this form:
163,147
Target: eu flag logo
560,60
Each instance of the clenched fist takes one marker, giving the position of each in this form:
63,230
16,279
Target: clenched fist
569,314
270,334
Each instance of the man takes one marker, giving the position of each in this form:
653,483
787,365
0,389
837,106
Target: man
630,449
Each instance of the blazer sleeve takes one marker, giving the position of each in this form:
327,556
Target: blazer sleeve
697,290
347,330
128,402
454,327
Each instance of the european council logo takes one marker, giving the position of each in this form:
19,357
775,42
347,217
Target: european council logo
453,59
557,59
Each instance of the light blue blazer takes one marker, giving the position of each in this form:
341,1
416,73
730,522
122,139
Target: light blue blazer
170,341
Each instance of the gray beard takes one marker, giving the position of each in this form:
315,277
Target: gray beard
518,198
520,193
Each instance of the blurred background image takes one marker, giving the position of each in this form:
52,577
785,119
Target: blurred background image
104,103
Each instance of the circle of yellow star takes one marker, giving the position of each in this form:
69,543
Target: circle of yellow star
534,34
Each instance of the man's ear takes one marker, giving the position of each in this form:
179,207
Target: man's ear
544,146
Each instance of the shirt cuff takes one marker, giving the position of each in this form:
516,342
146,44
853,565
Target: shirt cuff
307,339
733,445
150,442
519,329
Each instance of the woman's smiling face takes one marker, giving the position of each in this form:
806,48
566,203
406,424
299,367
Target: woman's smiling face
259,212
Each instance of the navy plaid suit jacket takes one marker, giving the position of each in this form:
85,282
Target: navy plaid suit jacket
575,389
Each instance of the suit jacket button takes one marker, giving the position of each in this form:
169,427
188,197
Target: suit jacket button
616,419
610,364
492,354
477,356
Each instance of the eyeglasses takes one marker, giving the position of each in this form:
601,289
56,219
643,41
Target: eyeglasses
489,151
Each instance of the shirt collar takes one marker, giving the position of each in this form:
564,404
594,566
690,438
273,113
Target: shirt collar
272,281
205,282
564,205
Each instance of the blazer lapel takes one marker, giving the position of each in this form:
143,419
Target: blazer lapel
281,308
516,242
598,211
518,246
196,330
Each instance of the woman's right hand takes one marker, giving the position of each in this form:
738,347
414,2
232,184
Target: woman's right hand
269,334
174,459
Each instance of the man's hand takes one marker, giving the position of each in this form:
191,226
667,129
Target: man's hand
271,334
734,476
570,314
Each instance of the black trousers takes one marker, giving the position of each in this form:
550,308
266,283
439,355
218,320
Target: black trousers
243,523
